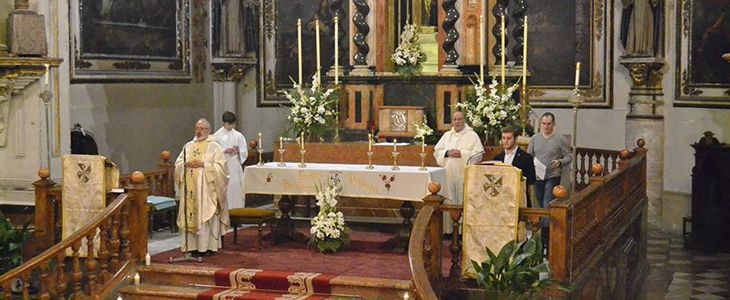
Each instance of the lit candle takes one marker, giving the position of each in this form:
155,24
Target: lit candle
48,74
524,56
423,144
337,50
502,52
302,139
395,145
577,74
370,142
316,30
147,259
481,48
136,279
299,51
281,142
261,146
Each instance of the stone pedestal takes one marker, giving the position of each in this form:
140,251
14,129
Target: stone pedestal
645,120
225,77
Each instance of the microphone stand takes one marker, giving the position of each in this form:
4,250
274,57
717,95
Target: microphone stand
186,254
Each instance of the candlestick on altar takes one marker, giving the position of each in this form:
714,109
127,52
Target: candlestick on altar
395,161
261,151
395,145
370,142
523,96
481,48
577,74
281,142
299,52
370,161
281,157
423,165
423,144
503,49
337,51
319,61
48,74
301,140
302,164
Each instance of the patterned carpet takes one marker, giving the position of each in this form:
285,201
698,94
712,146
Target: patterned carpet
677,273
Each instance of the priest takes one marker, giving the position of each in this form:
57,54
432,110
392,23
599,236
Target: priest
452,152
201,177
234,145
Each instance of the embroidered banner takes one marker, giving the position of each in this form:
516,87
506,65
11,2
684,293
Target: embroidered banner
262,285
492,197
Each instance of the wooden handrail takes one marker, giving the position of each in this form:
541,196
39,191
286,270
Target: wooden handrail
421,280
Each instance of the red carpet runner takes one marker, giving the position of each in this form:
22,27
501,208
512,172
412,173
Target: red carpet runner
252,284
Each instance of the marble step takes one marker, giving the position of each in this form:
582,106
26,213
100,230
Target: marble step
162,292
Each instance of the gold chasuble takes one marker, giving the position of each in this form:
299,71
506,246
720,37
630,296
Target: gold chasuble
204,191
492,197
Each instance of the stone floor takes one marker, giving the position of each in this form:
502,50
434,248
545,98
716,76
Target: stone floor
675,273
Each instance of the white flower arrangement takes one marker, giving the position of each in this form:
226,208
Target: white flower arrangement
328,230
311,107
491,108
422,130
409,56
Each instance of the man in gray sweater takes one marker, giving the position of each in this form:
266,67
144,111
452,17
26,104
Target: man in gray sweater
552,151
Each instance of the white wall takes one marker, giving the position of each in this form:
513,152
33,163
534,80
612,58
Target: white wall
270,121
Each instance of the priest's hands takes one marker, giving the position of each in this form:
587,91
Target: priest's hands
455,153
231,150
194,164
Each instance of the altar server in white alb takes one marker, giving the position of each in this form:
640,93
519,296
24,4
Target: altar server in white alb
234,145
452,152
201,178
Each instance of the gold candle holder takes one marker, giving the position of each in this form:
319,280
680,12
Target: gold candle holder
423,165
370,161
281,157
302,164
261,160
395,161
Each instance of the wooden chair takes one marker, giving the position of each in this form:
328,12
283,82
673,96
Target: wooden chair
251,216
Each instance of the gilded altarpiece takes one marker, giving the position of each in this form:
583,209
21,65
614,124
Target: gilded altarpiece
278,44
703,54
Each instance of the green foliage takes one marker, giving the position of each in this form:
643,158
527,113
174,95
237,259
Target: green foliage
12,240
514,273
332,245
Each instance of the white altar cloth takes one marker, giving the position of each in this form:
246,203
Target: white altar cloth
407,184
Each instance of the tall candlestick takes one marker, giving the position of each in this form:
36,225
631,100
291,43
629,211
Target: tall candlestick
261,146
302,140
48,74
316,39
502,52
577,74
281,142
370,142
395,145
299,51
481,48
337,50
423,143
524,56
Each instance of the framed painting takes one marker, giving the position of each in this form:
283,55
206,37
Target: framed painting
129,40
703,54
278,44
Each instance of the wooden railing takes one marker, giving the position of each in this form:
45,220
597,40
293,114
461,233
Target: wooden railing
602,226
115,240
587,157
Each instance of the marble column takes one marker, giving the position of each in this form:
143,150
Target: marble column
645,120
225,78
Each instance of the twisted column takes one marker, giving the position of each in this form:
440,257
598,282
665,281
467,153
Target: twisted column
500,9
360,39
452,35
518,32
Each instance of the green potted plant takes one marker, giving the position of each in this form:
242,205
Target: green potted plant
12,240
515,272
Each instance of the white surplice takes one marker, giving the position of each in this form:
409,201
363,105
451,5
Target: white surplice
466,141
228,139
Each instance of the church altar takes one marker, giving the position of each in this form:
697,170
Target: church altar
408,183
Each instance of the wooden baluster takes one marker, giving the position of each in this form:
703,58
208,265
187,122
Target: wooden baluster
126,254
534,222
77,276
61,275
45,282
559,246
434,234
455,247
91,262
136,223
115,243
104,251
26,284
45,214
7,289
167,189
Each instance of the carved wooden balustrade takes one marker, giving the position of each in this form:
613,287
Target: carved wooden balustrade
586,157
595,231
120,231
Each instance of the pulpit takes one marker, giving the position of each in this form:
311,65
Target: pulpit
710,205
399,121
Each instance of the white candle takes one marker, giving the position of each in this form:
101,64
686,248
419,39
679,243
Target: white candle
302,139
136,279
316,30
481,48
261,146
337,50
423,144
299,51
577,74
395,145
370,142
524,56
48,74
281,142
147,259
502,57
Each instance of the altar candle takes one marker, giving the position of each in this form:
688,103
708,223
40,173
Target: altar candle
481,48
337,50
281,142
136,279
261,146
370,142
577,74
302,139
502,57
48,74
147,259
524,56
423,144
395,145
299,51
316,30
